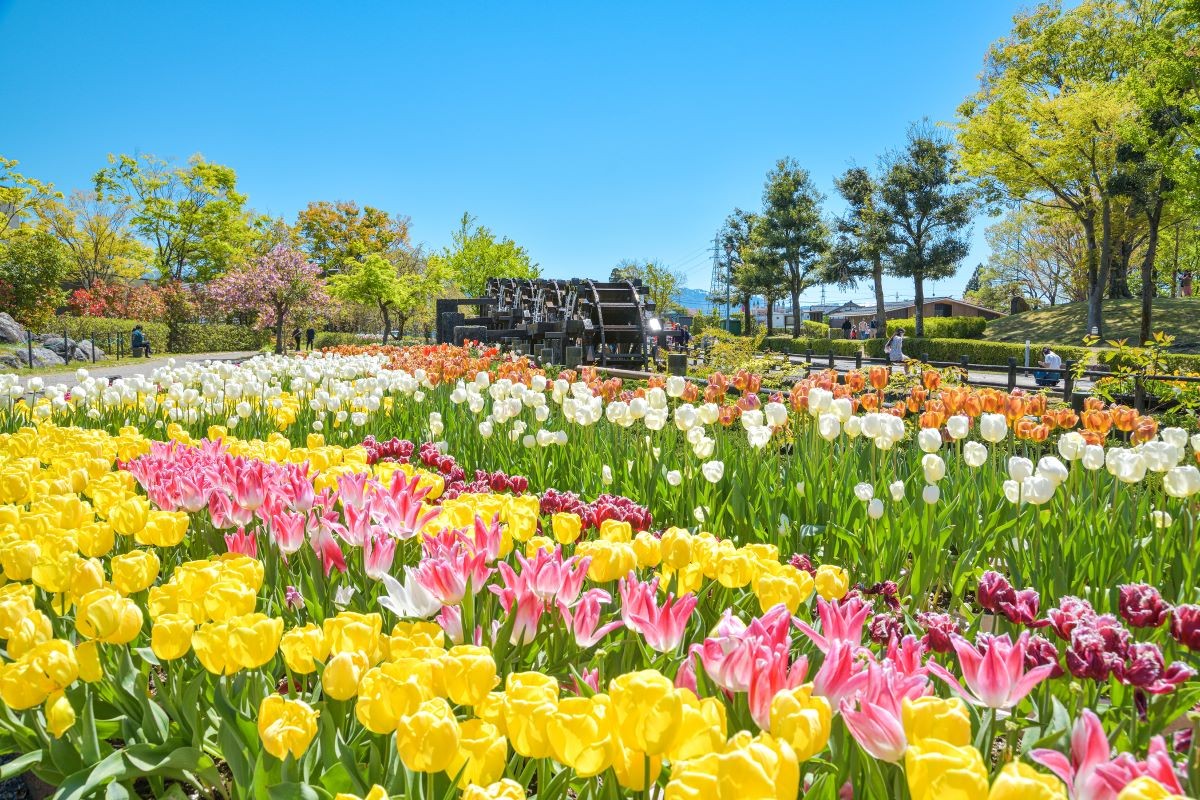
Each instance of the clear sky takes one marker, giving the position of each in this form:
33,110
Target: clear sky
587,132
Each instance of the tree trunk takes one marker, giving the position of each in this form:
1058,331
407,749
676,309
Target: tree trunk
401,322
880,306
1095,291
770,317
795,291
1118,279
746,314
279,321
919,303
1153,217
387,322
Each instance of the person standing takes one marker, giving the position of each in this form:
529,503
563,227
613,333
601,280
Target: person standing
874,327
310,336
296,337
846,326
895,349
864,330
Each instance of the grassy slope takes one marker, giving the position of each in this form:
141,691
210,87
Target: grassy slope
1122,319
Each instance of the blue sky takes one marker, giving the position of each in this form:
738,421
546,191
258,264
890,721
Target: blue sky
586,132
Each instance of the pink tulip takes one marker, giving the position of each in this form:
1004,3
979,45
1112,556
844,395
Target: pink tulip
877,723
775,673
1089,751
547,575
450,620
841,674
662,626
352,487
527,608
193,496
249,490
489,537
325,546
301,488
287,531
379,550
730,656
585,617
241,542
995,678
219,506
841,621
1124,769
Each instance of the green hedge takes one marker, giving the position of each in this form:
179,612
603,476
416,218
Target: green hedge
941,327
819,345
197,337
977,352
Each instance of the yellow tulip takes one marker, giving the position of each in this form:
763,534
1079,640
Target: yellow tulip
107,617
676,548
522,524
937,771
1018,781
632,766
428,740
302,647
210,642
530,700
377,793
832,582
482,754
1146,788
129,516
87,655
567,527
580,734
133,571
504,789
537,543
616,531
286,726
695,779
802,720
95,539
648,550
758,767
87,575
735,569
16,603
30,632
610,560
228,598
171,636
343,673
253,639
162,529
18,557
789,586
46,668
349,632
468,674
701,727
647,710
60,714
385,694
932,717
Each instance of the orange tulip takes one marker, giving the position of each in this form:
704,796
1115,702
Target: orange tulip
879,377
1093,404
1014,408
1124,418
855,381
1039,433
1067,418
870,402
1097,421
1145,430
931,379
972,406
1036,405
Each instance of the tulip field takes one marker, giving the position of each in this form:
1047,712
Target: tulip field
443,572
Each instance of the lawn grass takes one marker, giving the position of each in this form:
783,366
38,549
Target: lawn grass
1067,324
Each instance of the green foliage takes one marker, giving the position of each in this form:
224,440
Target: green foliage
1067,324
196,337
810,327
332,233
793,232
20,197
477,254
819,345
104,328
728,353
977,352
32,267
192,215
193,337
662,282
941,327
338,338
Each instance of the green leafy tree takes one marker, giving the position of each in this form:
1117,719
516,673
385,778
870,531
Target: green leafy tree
96,234
32,267
864,241
476,254
192,216
760,272
732,239
792,229
334,233
662,283
21,197
927,207
399,287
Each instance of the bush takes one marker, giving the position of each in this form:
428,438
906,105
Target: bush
941,327
337,338
819,345
977,352
194,337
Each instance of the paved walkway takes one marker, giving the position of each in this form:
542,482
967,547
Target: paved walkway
140,367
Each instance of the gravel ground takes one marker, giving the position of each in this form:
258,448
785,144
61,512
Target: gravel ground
13,788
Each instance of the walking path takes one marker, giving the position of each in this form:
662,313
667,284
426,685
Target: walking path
140,367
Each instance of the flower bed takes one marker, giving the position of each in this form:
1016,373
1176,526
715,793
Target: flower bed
252,581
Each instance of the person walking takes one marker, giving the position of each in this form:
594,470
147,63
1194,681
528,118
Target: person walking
895,350
296,337
310,336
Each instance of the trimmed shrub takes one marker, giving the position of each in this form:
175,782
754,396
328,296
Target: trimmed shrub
337,338
196,337
215,338
819,345
977,352
941,327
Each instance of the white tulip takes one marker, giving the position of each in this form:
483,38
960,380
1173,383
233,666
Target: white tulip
1127,466
1196,442
606,476
541,413
1182,481
1071,445
638,407
871,424
929,440
819,400
776,414
931,494
933,466
1161,519
842,408
853,427
1160,456
1093,457
656,398
713,471
695,435
485,429
529,441
864,491
975,454
829,427
359,418
675,386
958,426
896,490
875,508
700,514
674,477
685,417
482,380
709,413
993,427
539,383
705,447
1176,437
1019,468
562,438
753,418
758,437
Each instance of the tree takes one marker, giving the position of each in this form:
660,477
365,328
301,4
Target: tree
927,207
400,286
1044,126
661,282
1037,252
792,229
32,266
192,216
864,240
20,197
476,254
97,236
334,234
733,238
275,287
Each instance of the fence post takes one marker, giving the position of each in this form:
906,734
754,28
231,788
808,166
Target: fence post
808,356
924,358
29,346
965,362
1068,379
858,359
66,347
92,341
1139,393
1012,373
831,355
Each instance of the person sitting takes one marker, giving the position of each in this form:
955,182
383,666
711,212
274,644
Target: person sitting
895,350
1051,362
141,345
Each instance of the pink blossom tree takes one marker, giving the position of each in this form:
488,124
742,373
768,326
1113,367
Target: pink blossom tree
275,287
